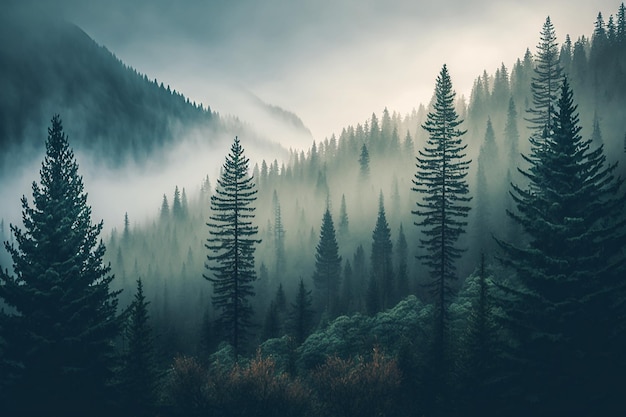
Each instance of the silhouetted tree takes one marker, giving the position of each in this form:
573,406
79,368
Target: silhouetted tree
232,242
327,273
301,314
440,179
364,163
139,374
382,263
62,320
569,286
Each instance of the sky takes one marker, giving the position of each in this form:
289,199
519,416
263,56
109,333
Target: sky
331,62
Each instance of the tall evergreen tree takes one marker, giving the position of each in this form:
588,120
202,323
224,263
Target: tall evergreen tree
327,275
279,236
402,253
301,314
62,320
139,374
382,263
441,180
231,244
569,289
545,82
177,205
165,209
344,223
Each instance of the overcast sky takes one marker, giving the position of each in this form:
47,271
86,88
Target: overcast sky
331,62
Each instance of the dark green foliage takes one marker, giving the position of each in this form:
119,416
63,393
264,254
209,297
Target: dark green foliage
402,253
440,179
139,375
232,246
545,83
271,325
563,307
327,275
301,314
382,279
62,318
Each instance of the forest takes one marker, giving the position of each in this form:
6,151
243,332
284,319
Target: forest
465,259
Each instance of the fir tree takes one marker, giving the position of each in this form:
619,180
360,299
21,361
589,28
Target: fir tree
569,278
62,320
177,205
402,253
382,264
165,209
232,246
301,315
327,273
343,218
279,236
139,375
126,235
545,83
364,163
440,179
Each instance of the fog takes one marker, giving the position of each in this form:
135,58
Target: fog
332,63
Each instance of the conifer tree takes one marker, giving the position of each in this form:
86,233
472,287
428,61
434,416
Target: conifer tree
402,253
441,180
301,314
364,163
279,236
126,235
165,209
545,83
327,273
231,246
62,319
343,218
382,263
569,277
511,134
139,375
177,205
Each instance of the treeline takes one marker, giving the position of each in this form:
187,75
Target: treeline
354,310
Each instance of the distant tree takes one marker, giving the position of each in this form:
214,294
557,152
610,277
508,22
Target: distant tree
382,263
327,273
364,163
139,374
347,289
281,299
271,325
596,134
126,235
279,236
402,253
441,180
511,135
165,209
61,322
184,204
359,266
301,314
343,218
231,244
568,287
177,205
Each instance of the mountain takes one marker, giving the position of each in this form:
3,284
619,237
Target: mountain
109,109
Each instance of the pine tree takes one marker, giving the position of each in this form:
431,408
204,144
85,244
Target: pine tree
545,83
301,314
327,273
364,163
165,209
62,320
126,235
511,135
440,179
569,290
382,264
177,205
139,375
232,246
402,253
279,236
343,218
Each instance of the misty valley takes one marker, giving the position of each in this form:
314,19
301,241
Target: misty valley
467,258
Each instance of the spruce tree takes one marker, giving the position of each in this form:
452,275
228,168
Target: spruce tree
279,237
177,205
343,218
139,374
545,83
402,253
327,275
364,163
382,263
565,305
165,209
62,320
441,180
232,246
301,315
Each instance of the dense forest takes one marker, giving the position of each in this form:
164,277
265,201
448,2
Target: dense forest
467,258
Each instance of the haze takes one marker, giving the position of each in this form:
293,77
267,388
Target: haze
332,63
